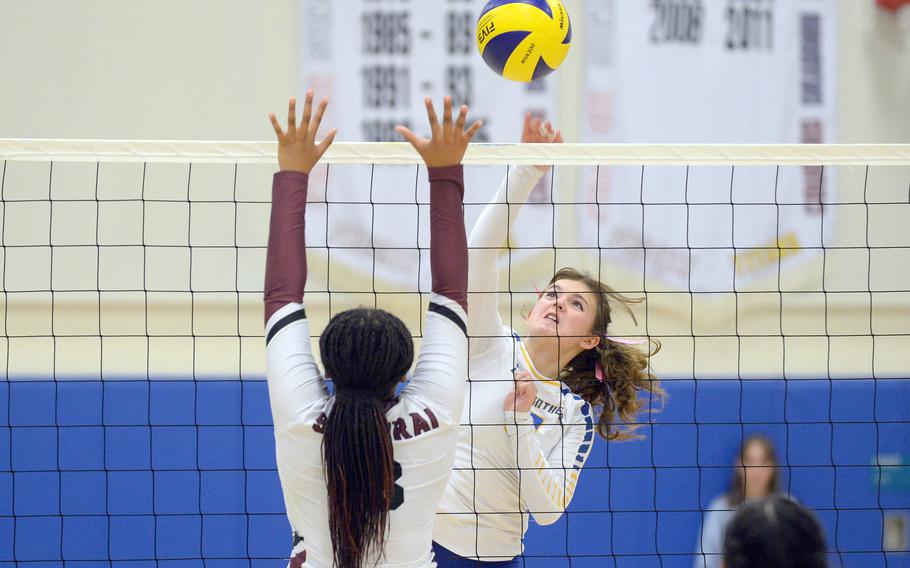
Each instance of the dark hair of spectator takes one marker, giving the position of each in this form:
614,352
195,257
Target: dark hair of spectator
774,532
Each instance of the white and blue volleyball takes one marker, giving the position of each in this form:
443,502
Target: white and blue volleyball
523,40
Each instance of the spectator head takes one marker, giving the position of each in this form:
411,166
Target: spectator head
774,532
756,473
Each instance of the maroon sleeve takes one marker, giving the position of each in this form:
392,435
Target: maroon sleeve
285,264
448,243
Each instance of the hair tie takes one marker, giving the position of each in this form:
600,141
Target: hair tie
625,341
599,371
354,392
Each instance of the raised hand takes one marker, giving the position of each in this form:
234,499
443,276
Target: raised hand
448,142
536,130
297,148
523,395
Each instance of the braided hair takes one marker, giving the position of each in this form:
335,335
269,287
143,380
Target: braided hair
365,352
626,369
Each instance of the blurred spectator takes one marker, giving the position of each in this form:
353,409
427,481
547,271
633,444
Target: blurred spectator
754,477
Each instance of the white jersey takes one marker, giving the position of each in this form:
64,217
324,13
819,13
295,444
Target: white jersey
710,550
423,423
507,465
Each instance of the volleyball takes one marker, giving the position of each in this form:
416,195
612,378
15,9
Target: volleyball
523,40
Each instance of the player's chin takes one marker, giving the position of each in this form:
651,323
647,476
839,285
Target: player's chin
543,332
542,327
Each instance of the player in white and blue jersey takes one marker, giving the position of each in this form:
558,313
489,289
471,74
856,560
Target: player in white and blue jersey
522,444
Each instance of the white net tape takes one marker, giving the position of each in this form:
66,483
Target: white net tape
152,151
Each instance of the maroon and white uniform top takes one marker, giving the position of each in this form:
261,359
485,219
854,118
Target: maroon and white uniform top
423,420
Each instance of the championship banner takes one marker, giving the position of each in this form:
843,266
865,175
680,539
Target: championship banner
710,71
377,60
691,239
666,71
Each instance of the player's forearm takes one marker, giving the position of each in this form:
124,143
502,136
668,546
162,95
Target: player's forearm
489,235
543,487
285,267
491,231
498,217
448,242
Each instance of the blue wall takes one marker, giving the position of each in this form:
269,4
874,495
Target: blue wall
168,473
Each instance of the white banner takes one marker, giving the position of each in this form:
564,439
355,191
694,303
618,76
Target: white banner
657,71
377,60
718,71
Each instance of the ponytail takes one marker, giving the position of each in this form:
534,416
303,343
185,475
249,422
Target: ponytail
365,352
359,474
626,373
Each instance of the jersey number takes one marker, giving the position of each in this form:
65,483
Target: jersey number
398,497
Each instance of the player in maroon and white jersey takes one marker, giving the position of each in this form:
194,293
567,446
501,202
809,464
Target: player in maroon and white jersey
362,470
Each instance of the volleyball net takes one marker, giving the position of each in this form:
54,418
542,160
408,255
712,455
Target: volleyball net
135,424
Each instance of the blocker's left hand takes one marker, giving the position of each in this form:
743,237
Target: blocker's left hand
297,148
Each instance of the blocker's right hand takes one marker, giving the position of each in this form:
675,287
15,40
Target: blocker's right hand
297,148
448,142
